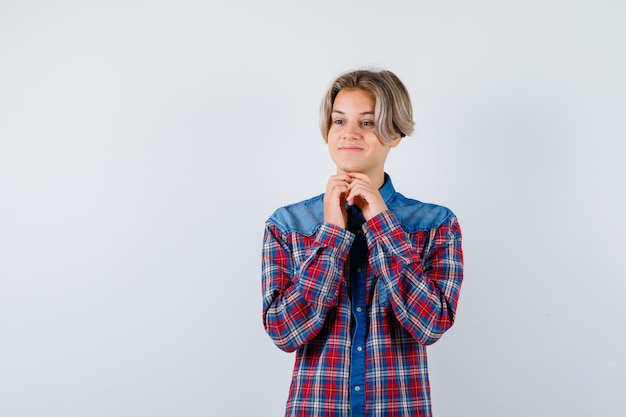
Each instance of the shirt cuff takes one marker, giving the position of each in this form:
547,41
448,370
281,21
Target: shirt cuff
383,224
335,237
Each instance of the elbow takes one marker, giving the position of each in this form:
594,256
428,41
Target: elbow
281,339
428,338
291,328
285,347
435,329
280,331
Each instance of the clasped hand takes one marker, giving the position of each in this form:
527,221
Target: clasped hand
352,188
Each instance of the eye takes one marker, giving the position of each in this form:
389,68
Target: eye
338,121
367,123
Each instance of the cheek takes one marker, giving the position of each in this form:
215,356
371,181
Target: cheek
332,137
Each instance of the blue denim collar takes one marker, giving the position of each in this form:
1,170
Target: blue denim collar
387,191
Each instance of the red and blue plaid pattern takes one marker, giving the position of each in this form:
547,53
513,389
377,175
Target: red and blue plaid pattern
414,276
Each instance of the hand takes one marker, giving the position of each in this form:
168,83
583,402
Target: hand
353,188
335,200
363,193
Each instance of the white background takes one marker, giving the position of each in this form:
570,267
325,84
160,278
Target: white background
144,143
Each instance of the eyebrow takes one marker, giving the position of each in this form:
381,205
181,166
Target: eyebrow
364,113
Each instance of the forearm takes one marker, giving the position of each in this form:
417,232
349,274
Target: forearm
298,293
422,293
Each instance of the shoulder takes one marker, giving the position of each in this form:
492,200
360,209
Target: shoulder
303,217
415,215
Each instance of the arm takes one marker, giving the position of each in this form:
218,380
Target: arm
423,295
298,295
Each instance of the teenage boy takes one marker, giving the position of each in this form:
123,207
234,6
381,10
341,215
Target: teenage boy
359,280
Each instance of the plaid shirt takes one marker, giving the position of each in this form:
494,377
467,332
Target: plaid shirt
359,320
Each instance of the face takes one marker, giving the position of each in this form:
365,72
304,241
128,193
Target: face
352,140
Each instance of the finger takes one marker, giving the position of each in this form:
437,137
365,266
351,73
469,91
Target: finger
354,194
360,176
338,192
357,188
341,177
336,181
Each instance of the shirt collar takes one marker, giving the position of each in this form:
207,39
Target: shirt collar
387,191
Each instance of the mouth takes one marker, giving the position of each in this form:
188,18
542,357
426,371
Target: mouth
350,149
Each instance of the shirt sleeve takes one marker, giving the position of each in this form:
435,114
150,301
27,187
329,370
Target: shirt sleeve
423,293
297,294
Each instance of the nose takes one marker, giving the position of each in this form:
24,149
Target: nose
352,130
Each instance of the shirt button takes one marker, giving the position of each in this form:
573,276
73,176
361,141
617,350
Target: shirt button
358,270
359,309
360,348
357,388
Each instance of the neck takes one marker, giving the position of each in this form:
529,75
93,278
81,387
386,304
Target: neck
378,180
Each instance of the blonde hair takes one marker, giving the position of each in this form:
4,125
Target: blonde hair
393,113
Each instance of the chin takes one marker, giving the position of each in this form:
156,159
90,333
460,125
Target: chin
348,167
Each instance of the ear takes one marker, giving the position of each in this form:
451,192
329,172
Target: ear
395,142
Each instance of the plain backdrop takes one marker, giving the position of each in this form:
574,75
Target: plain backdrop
143,144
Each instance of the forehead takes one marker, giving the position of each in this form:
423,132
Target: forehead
354,98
